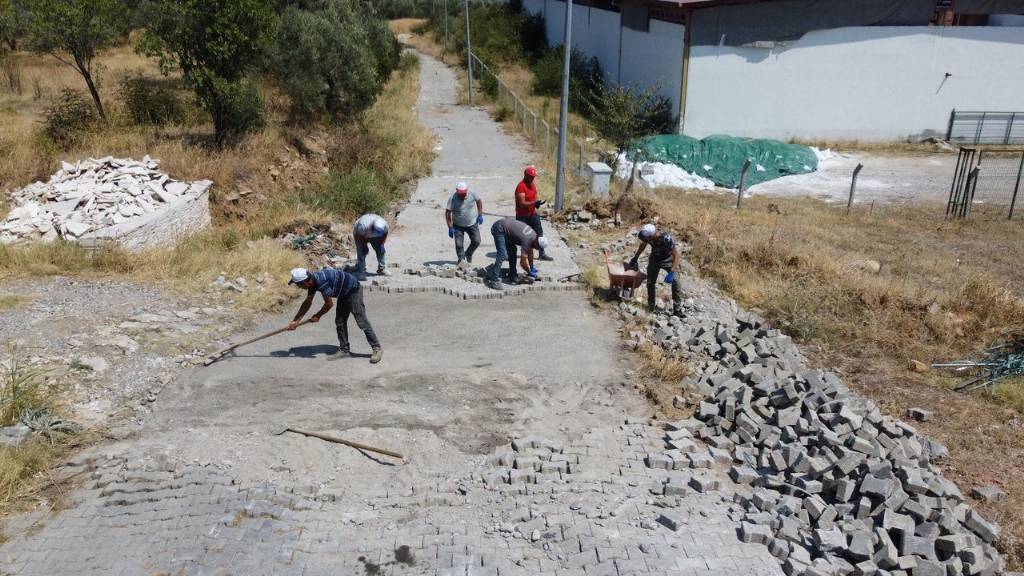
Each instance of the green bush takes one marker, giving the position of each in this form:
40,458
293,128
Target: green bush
150,101
393,9
236,107
623,114
332,58
350,194
586,78
216,45
68,117
502,33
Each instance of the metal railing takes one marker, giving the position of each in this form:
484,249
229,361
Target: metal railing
986,127
533,125
986,178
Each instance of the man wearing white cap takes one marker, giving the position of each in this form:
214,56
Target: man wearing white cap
344,287
464,214
664,256
508,234
370,230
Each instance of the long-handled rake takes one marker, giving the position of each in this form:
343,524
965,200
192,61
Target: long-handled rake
218,355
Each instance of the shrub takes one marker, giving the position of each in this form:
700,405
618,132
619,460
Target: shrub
488,83
349,194
19,389
333,59
236,107
586,78
150,101
502,113
68,117
216,45
622,114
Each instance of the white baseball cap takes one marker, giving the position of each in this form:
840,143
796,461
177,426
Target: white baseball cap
647,231
299,275
461,187
542,242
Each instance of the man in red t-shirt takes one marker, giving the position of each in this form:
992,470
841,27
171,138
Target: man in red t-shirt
527,204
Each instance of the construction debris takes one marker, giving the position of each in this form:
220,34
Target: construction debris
105,197
998,363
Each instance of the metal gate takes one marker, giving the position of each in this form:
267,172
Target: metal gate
985,179
986,127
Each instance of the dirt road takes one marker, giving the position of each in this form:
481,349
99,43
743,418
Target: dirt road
205,488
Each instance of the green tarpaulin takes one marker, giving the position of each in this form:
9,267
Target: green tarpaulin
720,158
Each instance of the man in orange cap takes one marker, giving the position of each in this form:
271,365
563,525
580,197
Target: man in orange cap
527,204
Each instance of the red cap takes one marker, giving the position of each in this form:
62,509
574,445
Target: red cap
530,171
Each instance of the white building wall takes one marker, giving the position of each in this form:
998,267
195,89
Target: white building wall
654,58
877,83
626,55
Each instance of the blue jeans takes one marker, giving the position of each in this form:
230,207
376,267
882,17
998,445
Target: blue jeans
363,249
500,251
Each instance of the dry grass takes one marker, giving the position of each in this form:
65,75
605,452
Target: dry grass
405,25
387,138
943,290
9,301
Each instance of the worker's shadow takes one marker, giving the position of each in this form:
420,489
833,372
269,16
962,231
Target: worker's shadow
306,351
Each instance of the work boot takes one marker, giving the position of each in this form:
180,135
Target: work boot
494,284
339,355
543,256
382,271
462,264
376,356
678,313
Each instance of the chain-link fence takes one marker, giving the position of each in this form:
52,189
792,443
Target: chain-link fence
539,130
986,181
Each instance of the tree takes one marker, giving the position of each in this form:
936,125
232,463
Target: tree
332,57
216,44
12,24
74,31
623,114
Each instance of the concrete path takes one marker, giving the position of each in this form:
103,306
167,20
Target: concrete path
471,149
206,488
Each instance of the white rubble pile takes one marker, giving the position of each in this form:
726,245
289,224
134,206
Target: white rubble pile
91,195
657,174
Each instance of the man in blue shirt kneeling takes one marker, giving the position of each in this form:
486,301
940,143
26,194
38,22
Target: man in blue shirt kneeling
336,284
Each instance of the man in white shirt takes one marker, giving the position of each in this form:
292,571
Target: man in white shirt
464,215
370,230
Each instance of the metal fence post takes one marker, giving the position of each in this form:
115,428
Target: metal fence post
743,182
1016,187
853,186
579,166
1009,127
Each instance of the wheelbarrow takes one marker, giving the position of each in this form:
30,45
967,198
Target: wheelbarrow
622,280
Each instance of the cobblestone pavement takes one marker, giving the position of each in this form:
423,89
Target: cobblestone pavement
204,489
539,507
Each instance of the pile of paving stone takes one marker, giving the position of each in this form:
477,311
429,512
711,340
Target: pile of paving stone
839,488
91,195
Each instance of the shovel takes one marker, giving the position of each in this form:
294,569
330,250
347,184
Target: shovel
336,440
218,355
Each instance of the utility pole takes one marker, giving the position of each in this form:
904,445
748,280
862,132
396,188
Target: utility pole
563,118
469,57
446,26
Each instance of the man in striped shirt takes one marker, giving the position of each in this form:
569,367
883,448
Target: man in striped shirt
336,284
